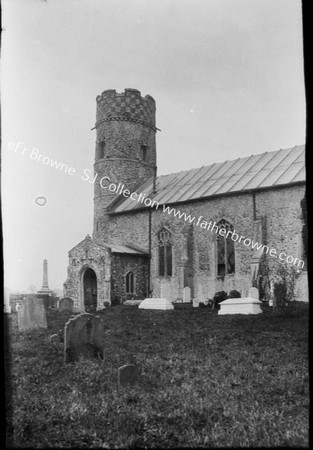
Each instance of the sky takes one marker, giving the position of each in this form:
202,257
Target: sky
226,75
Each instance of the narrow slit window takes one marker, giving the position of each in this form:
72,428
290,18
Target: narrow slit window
144,152
101,149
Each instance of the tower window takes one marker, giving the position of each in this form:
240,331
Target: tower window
165,253
130,283
101,149
225,251
143,149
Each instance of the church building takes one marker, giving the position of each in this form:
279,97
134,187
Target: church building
226,226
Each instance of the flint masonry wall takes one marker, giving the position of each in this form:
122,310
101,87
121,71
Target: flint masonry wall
123,264
125,147
281,214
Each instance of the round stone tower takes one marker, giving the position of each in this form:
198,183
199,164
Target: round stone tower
125,148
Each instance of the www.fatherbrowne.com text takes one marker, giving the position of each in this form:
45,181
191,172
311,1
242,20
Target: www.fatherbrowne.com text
143,198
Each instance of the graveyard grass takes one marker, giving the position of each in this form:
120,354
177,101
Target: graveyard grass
205,381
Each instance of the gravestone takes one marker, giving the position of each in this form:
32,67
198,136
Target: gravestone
156,303
165,292
54,302
254,293
186,295
65,304
195,302
128,375
83,335
246,305
31,314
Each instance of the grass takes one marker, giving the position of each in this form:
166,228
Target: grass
206,381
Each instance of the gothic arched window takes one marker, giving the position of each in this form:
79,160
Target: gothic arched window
130,283
225,250
165,253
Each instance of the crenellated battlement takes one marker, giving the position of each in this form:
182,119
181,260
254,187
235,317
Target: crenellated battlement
128,105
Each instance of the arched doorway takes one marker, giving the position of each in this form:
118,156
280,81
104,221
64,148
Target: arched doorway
90,290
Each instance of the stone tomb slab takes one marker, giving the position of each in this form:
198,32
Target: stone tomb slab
65,304
83,336
31,314
156,303
132,302
128,375
246,305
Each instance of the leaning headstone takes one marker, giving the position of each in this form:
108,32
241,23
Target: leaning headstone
254,293
186,295
247,305
195,302
156,303
83,335
128,375
31,314
65,304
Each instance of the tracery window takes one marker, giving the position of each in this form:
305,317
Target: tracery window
130,283
165,253
225,250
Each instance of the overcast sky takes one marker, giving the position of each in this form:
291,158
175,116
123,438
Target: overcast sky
226,75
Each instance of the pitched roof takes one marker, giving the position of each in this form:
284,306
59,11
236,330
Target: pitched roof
119,248
115,248
266,170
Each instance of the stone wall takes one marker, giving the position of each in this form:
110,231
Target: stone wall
123,264
125,148
88,254
274,216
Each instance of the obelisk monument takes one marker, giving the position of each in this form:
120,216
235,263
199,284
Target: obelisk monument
45,286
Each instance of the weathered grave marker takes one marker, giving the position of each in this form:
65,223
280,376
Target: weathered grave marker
186,294
128,375
31,314
65,304
195,302
254,293
165,291
83,335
